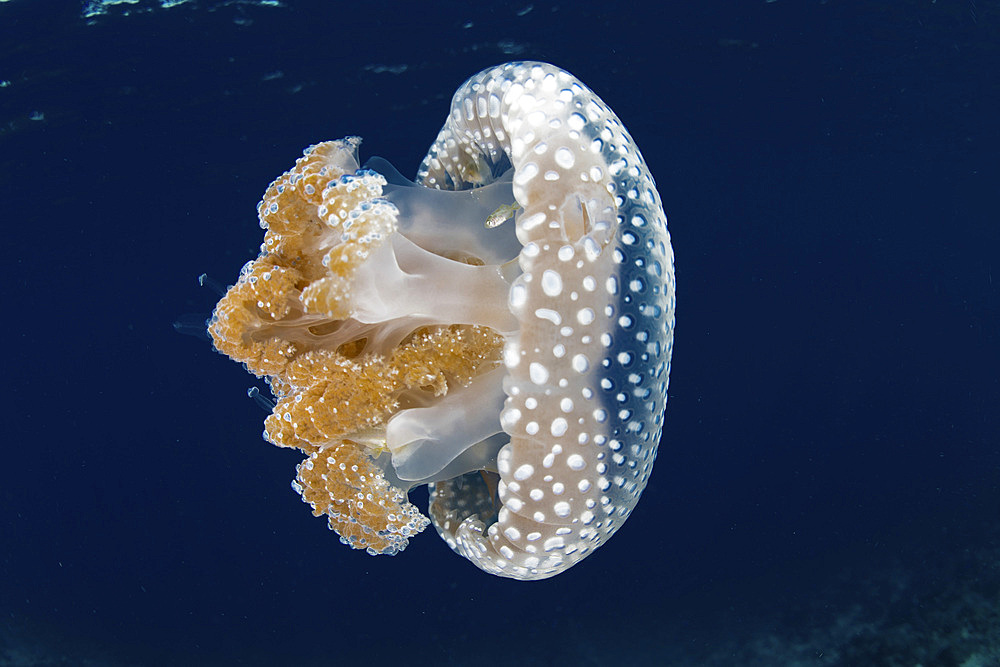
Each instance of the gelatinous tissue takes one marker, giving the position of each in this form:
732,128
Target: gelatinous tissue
500,329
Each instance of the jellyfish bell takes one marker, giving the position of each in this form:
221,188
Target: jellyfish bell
500,329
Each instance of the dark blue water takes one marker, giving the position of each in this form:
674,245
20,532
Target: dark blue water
828,485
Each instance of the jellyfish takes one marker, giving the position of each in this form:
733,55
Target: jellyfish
499,329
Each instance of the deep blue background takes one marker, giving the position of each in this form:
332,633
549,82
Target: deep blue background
831,176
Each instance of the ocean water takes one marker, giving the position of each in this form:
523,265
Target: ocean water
827,490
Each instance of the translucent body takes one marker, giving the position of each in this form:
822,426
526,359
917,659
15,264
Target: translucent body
509,343
589,366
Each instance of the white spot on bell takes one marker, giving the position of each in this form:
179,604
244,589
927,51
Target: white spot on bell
538,373
565,158
523,472
551,283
